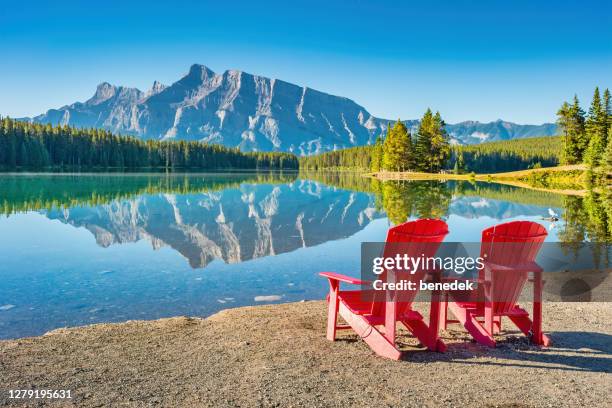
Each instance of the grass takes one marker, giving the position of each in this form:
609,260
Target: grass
561,179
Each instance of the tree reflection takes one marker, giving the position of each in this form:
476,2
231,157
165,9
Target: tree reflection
402,199
588,218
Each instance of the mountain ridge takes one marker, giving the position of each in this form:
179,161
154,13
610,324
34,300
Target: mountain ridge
252,112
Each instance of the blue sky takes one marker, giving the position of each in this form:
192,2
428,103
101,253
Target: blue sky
478,60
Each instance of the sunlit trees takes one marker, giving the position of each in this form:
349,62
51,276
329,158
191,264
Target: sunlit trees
397,149
596,127
608,153
570,120
432,148
351,158
511,155
377,155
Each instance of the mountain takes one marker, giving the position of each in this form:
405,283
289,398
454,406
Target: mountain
471,132
251,112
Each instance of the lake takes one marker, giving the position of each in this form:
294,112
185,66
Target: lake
82,249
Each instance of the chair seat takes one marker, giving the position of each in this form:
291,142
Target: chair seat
360,303
477,309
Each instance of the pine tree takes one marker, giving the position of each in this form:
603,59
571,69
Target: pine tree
397,149
458,167
423,144
440,147
377,155
608,154
607,106
596,129
571,123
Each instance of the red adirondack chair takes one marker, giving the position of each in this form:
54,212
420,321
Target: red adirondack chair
510,249
375,319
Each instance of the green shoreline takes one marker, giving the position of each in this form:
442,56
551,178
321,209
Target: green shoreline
566,180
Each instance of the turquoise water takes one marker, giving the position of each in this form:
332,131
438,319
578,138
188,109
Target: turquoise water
78,250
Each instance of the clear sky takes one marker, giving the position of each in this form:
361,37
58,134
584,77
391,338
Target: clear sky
479,60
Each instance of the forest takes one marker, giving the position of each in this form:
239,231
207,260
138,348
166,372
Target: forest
27,146
489,157
587,138
507,155
428,150
584,138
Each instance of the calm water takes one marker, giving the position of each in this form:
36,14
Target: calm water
77,250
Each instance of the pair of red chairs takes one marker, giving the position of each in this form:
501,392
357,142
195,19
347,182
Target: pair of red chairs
509,249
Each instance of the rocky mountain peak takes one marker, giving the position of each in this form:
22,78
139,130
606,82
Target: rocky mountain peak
104,91
155,89
199,73
251,112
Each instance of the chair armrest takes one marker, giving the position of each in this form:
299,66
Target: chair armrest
523,267
343,278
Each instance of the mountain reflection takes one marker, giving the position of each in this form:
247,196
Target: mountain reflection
234,224
240,217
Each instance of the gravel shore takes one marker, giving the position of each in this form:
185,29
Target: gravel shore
277,355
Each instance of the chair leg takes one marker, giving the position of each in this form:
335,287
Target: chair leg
368,333
390,320
467,319
497,326
525,325
332,310
434,317
424,334
444,311
537,336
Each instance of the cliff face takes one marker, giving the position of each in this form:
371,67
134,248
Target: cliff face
233,108
251,112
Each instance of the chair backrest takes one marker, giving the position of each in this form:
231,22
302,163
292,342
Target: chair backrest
511,245
415,238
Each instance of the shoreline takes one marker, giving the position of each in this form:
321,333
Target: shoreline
272,354
512,178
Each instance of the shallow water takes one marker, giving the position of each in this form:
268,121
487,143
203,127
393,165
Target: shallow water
86,249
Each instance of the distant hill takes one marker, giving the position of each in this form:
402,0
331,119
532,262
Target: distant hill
251,112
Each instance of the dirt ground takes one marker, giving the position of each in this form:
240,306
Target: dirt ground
277,355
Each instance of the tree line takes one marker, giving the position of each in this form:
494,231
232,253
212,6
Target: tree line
507,155
353,158
428,150
25,145
489,157
587,138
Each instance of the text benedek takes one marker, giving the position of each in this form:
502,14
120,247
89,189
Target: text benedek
411,285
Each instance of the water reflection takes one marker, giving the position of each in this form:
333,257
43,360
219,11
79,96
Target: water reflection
247,216
234,224
78,249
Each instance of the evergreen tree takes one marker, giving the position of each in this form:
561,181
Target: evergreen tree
377,155
608,154
607,106
397,149
432,147
458,167
440,147
423,144
596,130
571,123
